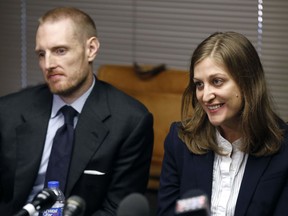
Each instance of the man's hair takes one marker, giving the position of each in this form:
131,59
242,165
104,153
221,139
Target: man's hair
261,134
83,22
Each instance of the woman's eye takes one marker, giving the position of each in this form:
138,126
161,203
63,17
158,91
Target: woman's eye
217,82
198,85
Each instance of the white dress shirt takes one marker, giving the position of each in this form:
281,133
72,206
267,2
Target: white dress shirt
228,173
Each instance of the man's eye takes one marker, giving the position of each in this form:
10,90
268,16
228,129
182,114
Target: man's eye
61,51
41,54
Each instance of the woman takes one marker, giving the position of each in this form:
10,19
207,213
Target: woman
230,144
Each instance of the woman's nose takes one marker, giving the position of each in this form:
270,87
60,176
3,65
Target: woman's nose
208,94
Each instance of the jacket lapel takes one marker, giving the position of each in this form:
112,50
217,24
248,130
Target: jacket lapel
89,133
253,172
204,172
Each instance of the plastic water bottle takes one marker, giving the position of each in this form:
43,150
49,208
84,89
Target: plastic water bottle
57,208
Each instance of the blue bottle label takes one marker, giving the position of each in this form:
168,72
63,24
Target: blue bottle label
53,212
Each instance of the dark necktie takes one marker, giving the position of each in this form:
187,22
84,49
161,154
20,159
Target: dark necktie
59,159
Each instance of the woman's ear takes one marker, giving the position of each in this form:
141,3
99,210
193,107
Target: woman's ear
92,48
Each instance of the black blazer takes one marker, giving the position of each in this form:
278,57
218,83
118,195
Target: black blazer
113,136
264,188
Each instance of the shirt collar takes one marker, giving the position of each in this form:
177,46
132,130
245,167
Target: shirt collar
226,145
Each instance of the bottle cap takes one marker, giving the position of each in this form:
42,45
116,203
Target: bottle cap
53,184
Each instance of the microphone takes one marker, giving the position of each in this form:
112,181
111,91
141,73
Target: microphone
42,201
134,204
193,203
74,206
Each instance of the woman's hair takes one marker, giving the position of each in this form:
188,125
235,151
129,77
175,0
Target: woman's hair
261,134
84,25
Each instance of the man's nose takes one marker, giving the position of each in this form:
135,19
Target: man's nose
49,62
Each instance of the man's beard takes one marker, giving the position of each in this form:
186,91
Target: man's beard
68,89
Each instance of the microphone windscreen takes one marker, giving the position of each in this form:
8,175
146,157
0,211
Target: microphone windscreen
74,206
134,204
44,199
22,212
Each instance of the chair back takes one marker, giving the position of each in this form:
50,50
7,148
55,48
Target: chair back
161,94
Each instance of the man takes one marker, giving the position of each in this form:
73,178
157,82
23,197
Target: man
113,133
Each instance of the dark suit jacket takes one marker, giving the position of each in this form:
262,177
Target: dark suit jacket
264,188
114,135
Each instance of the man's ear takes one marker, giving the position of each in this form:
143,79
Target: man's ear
92,48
